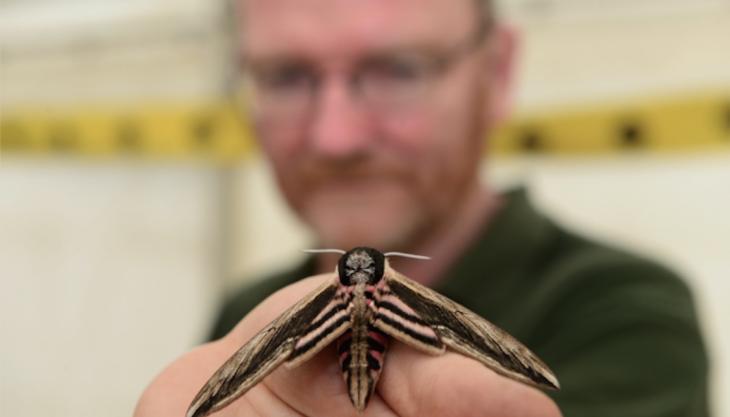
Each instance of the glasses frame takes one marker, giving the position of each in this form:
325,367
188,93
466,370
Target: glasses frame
250,95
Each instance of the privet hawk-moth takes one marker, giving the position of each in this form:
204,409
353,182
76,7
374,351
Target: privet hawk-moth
364,304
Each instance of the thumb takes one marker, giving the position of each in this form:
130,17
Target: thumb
316,387
419,384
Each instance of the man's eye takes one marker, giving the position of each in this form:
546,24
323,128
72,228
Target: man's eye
399,69
283,78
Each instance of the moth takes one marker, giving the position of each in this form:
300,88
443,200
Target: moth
364,305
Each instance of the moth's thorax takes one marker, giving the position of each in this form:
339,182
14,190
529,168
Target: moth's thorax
362,300
361,265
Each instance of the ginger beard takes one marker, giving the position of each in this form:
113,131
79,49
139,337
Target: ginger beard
383,196
363,205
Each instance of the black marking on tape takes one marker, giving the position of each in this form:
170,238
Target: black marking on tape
62,138
531,141
128,136
204,131
631,134
13,136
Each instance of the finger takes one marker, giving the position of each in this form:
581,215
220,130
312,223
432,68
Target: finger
172,390
316,387
418,384
258,402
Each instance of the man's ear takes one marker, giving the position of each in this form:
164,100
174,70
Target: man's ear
503,52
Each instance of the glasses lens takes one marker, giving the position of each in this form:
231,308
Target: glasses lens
280,91
398,80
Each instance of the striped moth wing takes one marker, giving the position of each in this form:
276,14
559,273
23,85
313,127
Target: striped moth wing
363,303
296,335
426,320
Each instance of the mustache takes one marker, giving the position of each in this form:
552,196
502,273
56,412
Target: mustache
320,171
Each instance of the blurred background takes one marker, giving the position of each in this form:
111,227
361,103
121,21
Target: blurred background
132,198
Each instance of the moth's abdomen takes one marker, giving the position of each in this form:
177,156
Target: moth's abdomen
361,354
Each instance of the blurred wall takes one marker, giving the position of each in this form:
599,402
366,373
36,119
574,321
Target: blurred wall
110,269
107,273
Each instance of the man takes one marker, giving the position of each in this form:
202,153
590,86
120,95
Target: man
373,114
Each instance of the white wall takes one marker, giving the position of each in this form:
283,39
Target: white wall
106,273
619,50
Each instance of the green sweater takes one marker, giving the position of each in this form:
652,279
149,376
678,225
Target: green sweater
619,331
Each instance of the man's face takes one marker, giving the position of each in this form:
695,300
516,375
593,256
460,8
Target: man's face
388,140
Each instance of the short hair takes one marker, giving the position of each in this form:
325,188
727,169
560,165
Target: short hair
486,14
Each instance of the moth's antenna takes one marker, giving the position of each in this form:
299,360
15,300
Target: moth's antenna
406,255
340,251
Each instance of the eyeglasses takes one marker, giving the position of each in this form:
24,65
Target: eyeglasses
287,89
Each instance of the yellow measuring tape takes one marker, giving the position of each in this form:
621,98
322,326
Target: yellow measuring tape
692,122
218,131
172,131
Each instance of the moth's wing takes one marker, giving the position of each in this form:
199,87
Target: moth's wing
265,352
397,319
468,333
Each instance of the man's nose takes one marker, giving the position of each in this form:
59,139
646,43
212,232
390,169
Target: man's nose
341,126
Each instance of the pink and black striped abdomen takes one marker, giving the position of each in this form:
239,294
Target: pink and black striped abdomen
361,352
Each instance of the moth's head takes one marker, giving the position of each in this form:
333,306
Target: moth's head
361,265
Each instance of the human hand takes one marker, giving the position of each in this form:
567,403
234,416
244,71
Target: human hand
412,383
